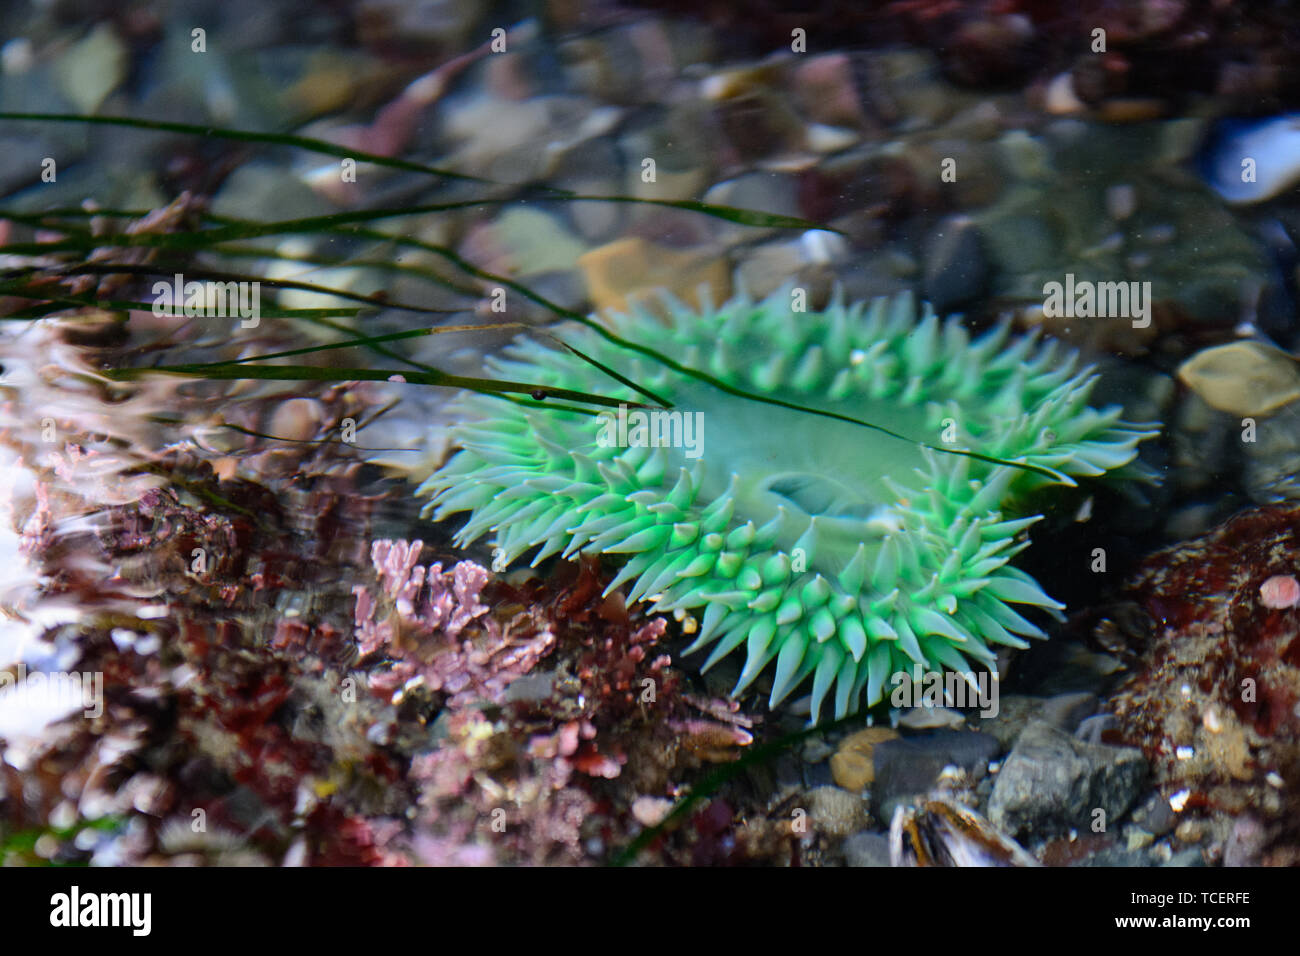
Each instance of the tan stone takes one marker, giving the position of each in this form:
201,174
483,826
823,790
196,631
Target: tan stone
851,766
1243,378
633,269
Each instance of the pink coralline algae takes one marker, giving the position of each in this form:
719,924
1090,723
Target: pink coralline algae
437,630
570,709
450,601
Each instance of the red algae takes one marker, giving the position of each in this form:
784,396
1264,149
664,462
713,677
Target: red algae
1214,698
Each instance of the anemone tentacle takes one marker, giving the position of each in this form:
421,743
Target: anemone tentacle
819,548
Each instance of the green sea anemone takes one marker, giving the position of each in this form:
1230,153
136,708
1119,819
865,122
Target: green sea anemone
843,553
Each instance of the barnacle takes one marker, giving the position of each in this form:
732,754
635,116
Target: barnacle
839,552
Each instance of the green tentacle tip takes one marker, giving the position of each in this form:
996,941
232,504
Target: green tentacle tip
799,492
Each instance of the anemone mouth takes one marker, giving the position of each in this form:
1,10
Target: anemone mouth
813,494
823,550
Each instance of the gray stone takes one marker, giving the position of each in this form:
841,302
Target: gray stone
1155,815
775,193
818,775
531,687
956,269
1118,856
1092,728
1052,782
910,766
867,849
1015,711
1066,711
1189,857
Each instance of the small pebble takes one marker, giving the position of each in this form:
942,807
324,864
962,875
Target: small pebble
651,811
297,419
1190,831
852,766
835,812
1280,591
1139,838
1121,201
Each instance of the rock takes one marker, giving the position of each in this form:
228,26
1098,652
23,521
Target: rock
1025,156
534,242
20,160
1154,815
519,140
806,262
1244,843
1271,470
1048,222
1118,856
1190,831
1212,699
1092,728
531,688
852,766
651,811
815,749
929,717
1243,378
619,272
767,267
1191,856
907,86
1279,592
298,419
1137,839
817,775
328,84
678,141
1052,782
828,139
867,849
1014,711
92,68
1063,711
991,51
262,191
836,812
732,83
910,766
1078,670
1066,711
774,193
438,23
956,269
1060,99
826,91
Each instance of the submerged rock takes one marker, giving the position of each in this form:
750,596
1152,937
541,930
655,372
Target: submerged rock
1214,700
1243,378
910,766
1053,781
